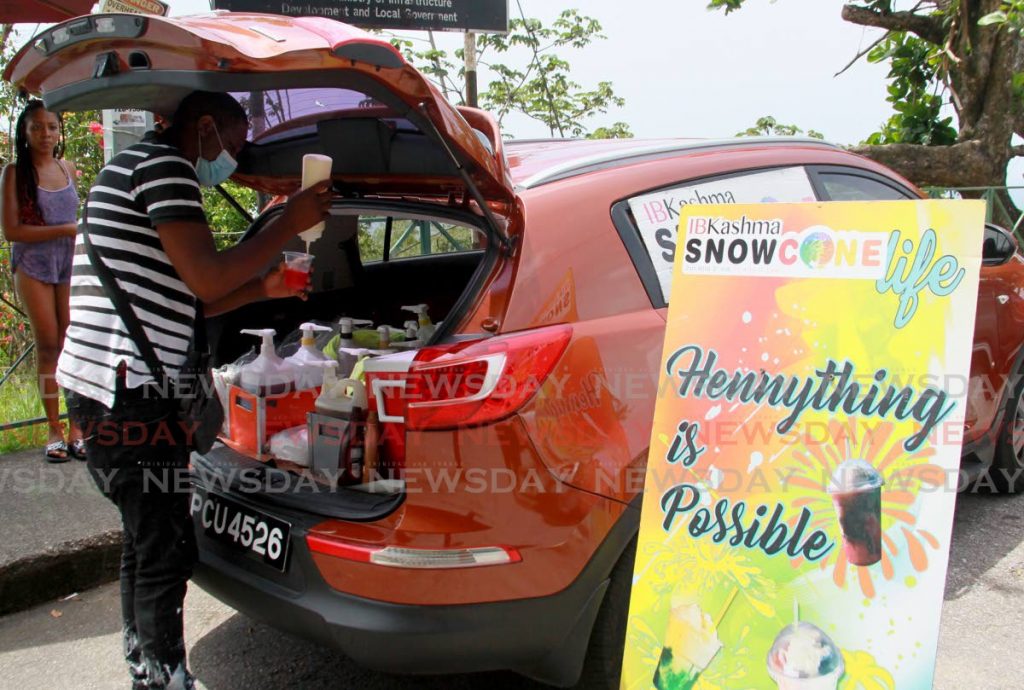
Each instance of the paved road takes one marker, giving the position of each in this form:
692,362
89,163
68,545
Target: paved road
983,621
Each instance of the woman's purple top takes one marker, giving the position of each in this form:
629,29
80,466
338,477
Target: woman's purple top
50,261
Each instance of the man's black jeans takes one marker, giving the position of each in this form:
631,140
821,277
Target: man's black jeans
138,458
157,557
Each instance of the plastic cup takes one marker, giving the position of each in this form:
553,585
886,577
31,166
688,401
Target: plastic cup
857,495
803,657
691,643
296,269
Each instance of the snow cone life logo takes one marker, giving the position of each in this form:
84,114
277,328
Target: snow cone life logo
742,246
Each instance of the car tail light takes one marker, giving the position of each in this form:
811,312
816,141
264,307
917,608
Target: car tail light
398,557
481,381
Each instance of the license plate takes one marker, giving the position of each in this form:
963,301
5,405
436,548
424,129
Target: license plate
248,531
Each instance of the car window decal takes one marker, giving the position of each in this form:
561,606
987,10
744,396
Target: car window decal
657,213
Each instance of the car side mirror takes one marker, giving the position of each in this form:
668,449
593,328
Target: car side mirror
999,245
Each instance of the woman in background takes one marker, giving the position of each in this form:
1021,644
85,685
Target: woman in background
38,210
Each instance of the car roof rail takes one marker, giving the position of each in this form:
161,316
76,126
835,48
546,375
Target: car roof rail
640,152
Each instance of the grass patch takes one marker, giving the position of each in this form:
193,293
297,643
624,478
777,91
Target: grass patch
19,399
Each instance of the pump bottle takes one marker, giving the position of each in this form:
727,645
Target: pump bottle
426,327
268,374
308,374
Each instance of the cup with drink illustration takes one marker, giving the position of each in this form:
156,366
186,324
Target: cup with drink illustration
803,657
691,643
856,491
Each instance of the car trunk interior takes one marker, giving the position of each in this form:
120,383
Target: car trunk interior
373,258
433,257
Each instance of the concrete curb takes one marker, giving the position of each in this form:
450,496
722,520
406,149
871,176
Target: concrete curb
70,567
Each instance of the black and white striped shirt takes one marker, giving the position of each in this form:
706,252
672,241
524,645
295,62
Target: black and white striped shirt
144,186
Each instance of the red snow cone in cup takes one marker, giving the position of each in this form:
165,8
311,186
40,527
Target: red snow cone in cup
857,495
297,266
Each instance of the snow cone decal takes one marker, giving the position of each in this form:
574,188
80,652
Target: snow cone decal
796,517
817,249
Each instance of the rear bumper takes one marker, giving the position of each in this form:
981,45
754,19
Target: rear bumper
542,638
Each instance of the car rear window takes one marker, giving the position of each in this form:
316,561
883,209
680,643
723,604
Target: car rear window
268,110
413,238
656,215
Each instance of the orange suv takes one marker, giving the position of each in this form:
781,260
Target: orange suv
502,536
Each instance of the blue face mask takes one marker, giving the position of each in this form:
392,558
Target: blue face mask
212,173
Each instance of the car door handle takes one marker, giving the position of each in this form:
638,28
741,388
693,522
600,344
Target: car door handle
1003,299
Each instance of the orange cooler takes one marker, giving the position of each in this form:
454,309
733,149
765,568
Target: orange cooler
253,419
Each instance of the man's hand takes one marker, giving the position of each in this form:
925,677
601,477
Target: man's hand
213,275
307,208
274,287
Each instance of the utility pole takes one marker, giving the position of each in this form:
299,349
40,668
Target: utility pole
470,54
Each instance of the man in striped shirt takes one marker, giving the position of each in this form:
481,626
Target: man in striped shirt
145,219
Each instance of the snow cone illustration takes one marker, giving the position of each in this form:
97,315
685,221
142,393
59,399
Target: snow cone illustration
817,249
857,495
803,657
691,642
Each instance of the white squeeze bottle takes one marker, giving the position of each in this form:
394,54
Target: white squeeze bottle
307,372
426,329
345,350
315,168
268,374
346,326
411,342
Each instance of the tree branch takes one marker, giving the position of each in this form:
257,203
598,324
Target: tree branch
1017,150
859,55
927,27
543,76
964,164
447,85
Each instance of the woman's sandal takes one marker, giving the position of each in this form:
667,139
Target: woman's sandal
77,449
57,451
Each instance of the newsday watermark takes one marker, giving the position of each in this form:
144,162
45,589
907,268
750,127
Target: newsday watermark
561,400
530,476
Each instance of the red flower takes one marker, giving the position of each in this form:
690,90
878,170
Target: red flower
96,128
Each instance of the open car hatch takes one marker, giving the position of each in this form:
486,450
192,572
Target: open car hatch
309,85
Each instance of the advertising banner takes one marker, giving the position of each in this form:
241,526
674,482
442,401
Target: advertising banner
804,458
437,15
136,7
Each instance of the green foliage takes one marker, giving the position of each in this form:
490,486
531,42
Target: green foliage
544,90
915,91
536,79
619,130
1009,15
768,126
227,223
19,399
727,5
916,80
83,146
